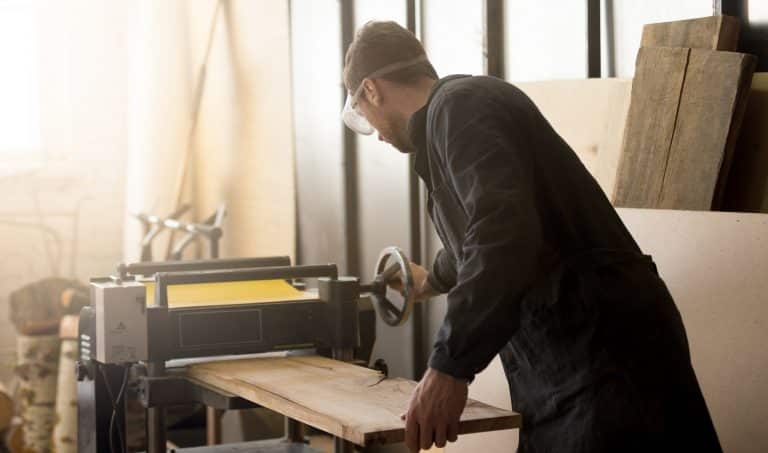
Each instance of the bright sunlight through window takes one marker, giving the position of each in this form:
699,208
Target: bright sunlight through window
19,78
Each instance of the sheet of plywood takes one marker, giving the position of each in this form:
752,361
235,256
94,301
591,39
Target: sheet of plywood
712,32
683,122
714,264
747,188
342,399
590,115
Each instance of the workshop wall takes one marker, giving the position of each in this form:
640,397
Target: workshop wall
62,211
629,16
244,142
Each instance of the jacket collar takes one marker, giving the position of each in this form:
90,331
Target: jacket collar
417,131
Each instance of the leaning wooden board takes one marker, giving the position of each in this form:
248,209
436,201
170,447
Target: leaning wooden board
711,32
348,401
685,111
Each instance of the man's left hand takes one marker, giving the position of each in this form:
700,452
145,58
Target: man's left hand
434,411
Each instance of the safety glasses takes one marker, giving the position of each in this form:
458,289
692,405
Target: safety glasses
351,115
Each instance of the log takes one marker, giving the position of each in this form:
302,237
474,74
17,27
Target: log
352,402
65,429
6,408
36,308
37,370
14,436
711,32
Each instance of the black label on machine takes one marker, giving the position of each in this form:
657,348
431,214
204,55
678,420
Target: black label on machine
200,329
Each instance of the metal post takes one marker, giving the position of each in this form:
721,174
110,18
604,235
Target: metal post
494,38
156,435
349,159
414,219
593,39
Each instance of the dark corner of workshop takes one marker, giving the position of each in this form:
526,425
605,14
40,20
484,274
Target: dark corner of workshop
335,226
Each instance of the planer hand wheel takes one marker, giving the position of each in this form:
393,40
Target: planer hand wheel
393,307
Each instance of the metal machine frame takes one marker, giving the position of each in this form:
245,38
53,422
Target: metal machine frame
329,321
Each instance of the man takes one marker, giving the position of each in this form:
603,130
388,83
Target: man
537,265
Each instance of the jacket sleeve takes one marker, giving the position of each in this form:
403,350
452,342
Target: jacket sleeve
443,275
487,161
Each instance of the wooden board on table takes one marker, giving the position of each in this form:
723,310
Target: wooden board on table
349,401
712,32
683,122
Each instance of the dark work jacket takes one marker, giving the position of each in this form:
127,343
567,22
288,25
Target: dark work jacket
539,268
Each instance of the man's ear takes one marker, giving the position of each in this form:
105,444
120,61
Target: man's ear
372,92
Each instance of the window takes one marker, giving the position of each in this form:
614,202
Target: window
19,79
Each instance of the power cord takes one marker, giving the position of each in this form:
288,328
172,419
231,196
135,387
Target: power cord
115,403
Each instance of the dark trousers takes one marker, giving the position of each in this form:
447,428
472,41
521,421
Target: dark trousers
601,363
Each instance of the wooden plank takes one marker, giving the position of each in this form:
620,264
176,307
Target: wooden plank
659,76
747,188
712,32
709,116
339,398
682,126
589,114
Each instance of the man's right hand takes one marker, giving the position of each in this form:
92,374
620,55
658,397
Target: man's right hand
423,290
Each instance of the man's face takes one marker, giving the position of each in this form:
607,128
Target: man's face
376,104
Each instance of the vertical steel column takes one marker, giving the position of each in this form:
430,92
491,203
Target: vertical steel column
610,40
413,14
494,37
349,142
593,39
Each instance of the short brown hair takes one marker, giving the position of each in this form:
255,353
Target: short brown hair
378,44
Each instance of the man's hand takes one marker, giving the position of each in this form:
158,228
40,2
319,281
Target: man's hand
423,289
434,411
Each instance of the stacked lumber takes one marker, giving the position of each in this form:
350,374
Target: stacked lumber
43,361
37,372
65,429
687,103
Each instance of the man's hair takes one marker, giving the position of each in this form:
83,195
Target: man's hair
378,44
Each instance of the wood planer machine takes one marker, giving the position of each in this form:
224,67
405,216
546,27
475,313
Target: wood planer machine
150,313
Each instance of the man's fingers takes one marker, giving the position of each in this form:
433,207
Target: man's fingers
426,433
453,432
411,433
440,435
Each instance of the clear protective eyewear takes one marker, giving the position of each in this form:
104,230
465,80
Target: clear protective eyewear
351,115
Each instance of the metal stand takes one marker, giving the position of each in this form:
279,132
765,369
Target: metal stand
156,436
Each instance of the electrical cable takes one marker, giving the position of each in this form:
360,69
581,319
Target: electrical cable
115,402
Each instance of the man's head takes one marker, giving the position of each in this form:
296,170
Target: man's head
388,77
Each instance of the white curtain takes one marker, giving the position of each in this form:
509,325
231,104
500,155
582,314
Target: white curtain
242,148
